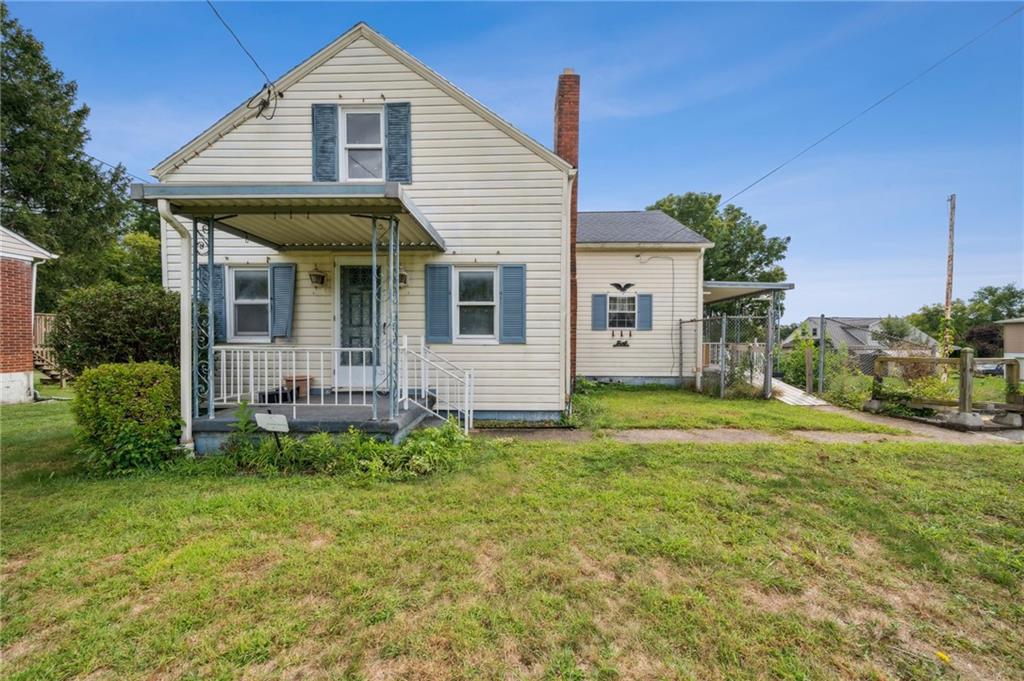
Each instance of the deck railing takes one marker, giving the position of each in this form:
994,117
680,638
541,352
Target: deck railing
43,356
332,377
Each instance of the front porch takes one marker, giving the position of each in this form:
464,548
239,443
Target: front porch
371,377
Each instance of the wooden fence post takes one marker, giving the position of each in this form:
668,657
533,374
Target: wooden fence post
876,379
1012,371
966,379
809,368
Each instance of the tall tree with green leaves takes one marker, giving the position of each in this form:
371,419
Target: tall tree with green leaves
973,321
743,250
50,191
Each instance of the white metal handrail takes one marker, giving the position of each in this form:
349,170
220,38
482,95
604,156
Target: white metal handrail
435,383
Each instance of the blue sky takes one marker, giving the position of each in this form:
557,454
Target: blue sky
676,97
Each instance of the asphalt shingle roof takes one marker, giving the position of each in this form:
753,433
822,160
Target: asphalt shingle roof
633,226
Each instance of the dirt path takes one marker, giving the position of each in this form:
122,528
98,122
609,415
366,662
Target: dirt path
918,432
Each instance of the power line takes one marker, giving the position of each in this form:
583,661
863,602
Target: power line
863,112
239,41
878,102
115,167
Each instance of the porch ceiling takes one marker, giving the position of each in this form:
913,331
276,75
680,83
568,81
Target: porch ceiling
299,216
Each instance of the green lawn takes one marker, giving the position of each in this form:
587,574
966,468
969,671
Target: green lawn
618,407
540,560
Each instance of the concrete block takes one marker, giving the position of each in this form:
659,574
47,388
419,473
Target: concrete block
1009,419
965,420
873,406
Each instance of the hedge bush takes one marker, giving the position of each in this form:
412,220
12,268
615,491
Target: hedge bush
111,323
127,415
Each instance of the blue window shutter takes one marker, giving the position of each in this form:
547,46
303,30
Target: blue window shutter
325,143
282,299
599,312
644,311
439,303
512,325
220,308
398,131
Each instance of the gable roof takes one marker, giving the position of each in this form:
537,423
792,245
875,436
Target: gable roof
856,332
361,30
634,227
14,245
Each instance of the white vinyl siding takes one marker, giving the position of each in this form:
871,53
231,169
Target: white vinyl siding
493,200
651,353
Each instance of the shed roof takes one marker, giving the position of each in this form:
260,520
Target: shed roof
634,227
1015,320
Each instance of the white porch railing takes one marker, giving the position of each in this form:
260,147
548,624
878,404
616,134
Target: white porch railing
340,378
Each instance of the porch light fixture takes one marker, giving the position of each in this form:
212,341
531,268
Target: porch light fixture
317,278
403,278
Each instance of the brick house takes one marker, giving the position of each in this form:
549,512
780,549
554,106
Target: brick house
19,258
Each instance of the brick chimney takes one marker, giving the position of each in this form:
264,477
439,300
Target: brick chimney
567,145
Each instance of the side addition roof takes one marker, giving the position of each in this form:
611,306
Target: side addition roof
361,30
635,227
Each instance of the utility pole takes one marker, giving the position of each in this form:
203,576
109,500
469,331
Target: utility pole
947,332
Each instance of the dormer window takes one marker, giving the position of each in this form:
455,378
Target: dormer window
362,131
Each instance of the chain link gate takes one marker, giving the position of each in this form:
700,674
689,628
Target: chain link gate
735,354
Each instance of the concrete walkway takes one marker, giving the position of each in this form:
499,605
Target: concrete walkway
917,432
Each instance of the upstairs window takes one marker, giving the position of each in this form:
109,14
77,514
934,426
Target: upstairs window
362,134
621,312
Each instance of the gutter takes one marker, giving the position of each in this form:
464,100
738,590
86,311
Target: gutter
163,207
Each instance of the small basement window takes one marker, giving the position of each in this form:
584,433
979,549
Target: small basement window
362,132
249,304
476,299
621,312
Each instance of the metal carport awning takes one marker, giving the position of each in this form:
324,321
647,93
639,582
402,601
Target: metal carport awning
299,216
722,291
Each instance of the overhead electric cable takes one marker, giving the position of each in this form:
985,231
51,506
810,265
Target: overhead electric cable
874,105
240,44
111,165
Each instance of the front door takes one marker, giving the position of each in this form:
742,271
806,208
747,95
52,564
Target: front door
355,286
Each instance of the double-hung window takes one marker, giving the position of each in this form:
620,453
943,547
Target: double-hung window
621,312
476,302
249,303
362,135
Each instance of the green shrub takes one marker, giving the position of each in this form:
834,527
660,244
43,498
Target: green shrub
847,387
425,452
110,323
127,415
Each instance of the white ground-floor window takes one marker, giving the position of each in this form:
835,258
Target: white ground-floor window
476,303
248,304
621,312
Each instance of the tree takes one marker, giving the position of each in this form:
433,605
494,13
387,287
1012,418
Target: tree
973,321
991,303
50,191
895,328
743,251
135,260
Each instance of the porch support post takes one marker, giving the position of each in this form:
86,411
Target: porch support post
210,322
769,346
374,316
392,330
194,274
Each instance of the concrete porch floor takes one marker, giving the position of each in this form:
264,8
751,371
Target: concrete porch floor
209,433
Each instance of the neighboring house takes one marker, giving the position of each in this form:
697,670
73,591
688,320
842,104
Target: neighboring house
864,338
1013,337
19,259
360,157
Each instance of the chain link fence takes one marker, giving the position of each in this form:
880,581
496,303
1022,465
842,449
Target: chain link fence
734,353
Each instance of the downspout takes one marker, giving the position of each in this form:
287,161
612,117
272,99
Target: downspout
185,322
698,350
